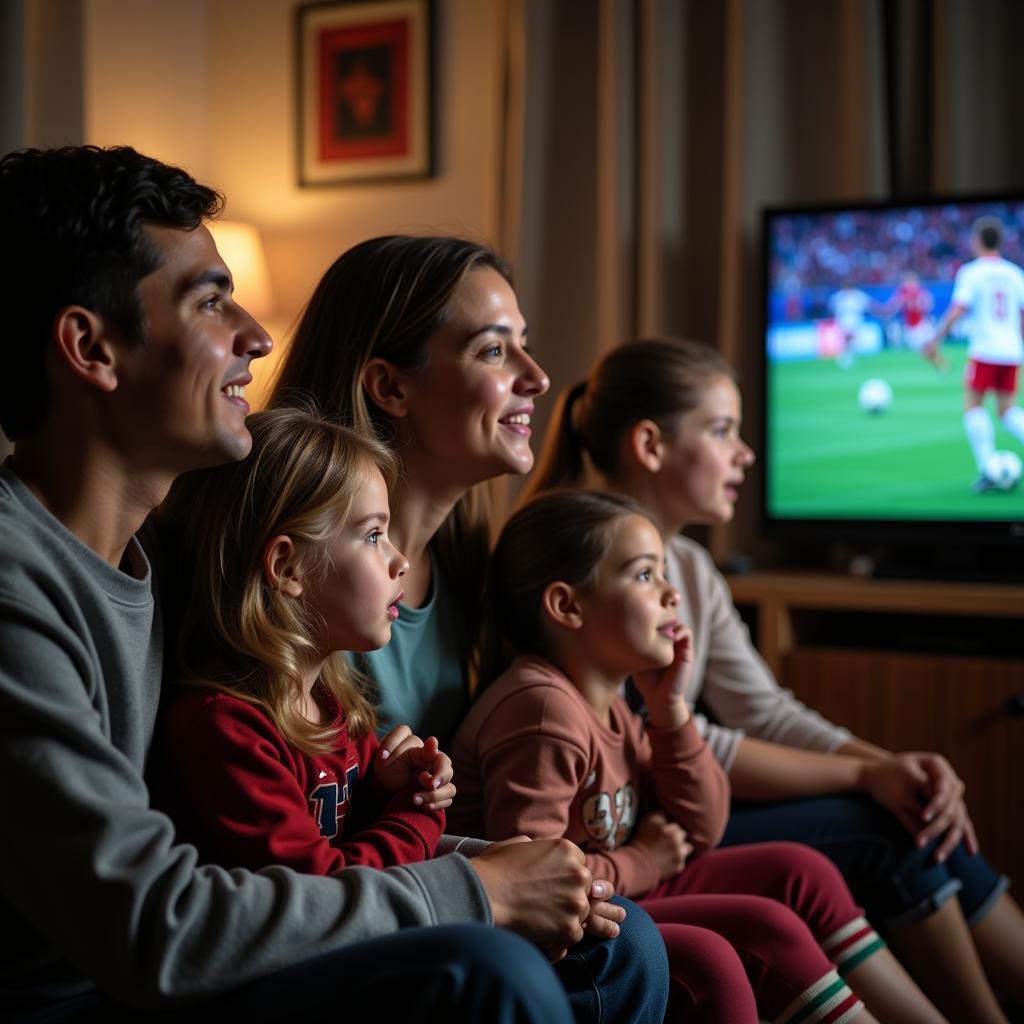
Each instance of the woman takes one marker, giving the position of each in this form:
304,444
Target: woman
659,421
420,341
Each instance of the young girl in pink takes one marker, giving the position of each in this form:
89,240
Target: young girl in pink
267,755
577,596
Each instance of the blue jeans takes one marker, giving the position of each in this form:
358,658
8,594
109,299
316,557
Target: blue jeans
445,974
622,980
893,880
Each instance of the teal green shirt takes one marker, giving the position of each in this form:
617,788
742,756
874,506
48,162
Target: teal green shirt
419,675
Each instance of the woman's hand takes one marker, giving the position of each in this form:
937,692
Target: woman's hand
927,796
664,689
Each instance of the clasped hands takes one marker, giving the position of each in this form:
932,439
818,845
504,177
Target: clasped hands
403,757
926,795
540,889
543,890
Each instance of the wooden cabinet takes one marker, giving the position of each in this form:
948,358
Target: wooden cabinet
910,666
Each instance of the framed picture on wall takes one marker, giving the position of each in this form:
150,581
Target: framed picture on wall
365,91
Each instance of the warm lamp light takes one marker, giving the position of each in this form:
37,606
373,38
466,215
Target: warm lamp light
241,249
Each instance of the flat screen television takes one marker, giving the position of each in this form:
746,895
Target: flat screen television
863,437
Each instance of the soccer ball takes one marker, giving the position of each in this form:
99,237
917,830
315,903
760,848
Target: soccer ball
1003,469
874,395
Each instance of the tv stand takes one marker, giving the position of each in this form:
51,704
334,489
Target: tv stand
909,665
940,566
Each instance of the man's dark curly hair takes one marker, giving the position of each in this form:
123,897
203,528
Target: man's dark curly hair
71,233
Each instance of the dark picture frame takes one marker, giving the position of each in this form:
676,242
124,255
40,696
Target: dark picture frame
365,91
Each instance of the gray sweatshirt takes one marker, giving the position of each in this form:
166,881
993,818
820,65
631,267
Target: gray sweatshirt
93,887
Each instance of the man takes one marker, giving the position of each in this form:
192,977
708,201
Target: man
126,362
991,290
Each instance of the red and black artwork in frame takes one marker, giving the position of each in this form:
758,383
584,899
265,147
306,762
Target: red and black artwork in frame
365,94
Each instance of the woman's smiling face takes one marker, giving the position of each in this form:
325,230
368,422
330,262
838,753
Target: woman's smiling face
471,405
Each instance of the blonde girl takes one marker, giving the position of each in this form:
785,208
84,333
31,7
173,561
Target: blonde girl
268,754
577,594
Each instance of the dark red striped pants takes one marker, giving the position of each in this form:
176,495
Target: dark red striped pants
745,929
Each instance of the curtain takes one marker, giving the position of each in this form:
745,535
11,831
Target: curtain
643,137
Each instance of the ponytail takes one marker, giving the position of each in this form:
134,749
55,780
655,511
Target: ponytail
561,459
660,379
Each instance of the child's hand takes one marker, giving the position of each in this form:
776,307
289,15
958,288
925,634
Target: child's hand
435,774
664,689
665,842
392,767
404,758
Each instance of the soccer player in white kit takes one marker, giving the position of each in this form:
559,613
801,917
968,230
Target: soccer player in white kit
849,307
991,290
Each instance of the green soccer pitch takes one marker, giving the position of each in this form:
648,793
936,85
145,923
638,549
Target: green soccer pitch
831,459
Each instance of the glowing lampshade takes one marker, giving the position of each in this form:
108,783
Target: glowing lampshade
241,249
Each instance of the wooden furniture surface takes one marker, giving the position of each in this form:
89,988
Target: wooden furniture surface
910,666
776,597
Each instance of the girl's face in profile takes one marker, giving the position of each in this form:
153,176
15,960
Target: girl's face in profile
357,600
705,460
629,613
470,408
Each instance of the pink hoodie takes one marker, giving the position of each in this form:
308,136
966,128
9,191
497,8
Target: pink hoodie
532,758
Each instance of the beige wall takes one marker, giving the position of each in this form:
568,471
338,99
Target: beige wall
144,78
252,140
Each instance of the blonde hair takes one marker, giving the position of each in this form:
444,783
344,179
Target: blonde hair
239,633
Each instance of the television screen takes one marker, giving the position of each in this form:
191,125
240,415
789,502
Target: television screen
864,416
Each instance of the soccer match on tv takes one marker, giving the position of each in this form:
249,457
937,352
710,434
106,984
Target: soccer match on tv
893,343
